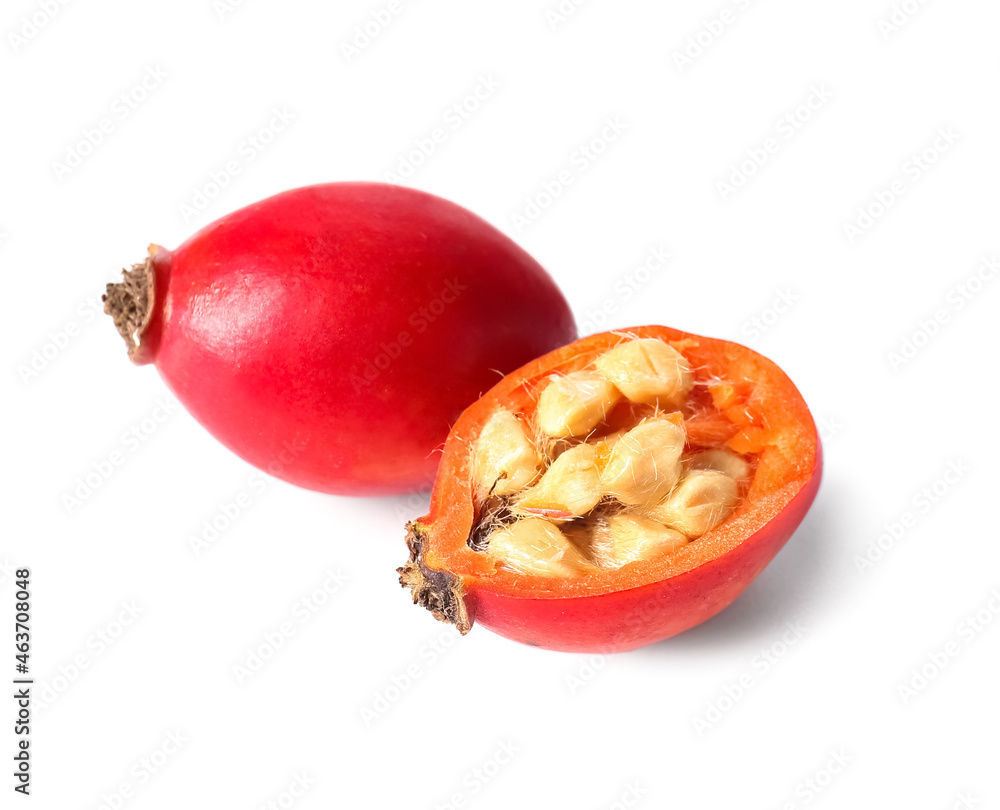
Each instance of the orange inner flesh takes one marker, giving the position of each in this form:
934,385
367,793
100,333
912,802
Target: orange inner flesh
739,401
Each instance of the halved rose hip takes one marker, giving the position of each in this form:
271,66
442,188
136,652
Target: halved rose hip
615,492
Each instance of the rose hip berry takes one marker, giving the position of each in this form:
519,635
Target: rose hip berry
351,322
615,492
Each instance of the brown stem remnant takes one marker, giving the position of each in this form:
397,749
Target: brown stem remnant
130,303
438,591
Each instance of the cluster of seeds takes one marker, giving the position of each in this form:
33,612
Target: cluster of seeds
565,494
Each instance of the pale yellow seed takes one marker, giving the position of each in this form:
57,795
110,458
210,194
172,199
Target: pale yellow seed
647,371
535,546
644,464
573,404
701,501
724,461
630,538
570,487
505,460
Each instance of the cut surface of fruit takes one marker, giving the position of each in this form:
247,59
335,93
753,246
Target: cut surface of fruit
632,483
647,462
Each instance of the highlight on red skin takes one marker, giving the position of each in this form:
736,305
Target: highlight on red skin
645,601
332,334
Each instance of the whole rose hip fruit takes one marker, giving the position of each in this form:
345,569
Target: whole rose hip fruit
331,334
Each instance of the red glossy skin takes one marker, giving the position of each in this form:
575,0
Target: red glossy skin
627,620
331,334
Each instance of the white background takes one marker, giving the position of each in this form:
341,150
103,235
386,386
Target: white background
370,699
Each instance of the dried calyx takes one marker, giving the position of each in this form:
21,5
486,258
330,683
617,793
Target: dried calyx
130,303
602,473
